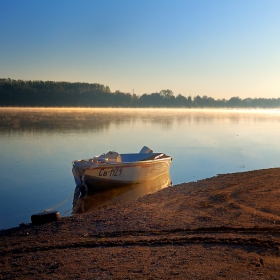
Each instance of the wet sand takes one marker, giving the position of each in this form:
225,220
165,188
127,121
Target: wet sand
225,227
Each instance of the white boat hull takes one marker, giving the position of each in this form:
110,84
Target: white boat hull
127,173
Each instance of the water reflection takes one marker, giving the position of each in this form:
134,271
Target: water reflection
38,146
74,119
96,199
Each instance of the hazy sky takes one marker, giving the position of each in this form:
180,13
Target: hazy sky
218,48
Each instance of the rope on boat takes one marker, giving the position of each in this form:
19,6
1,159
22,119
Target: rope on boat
59,204
66,212
48,216
75,194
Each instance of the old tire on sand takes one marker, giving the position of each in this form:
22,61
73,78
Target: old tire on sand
45,217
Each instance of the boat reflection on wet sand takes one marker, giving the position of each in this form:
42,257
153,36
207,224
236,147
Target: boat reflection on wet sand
92,200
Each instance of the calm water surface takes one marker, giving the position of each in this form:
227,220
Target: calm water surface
38,146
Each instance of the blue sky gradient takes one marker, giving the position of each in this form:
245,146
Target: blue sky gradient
194,47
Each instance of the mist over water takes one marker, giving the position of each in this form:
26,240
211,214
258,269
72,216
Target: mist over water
38,146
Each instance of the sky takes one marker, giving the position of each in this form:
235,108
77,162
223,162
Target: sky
216,48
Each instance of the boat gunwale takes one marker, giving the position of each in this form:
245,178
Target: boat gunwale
128,164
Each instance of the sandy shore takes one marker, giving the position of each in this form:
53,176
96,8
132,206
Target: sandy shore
225,227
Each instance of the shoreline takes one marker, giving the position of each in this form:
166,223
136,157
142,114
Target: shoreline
227,226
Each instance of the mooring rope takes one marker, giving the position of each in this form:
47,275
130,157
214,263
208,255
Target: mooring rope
82,184
66,212
83,196
59,204
48,210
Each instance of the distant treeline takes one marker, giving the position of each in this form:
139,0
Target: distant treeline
64,94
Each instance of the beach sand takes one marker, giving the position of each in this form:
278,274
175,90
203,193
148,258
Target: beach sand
225,227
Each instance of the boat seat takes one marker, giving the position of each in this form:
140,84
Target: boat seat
113,157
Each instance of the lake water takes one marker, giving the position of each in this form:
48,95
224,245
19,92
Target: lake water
39,145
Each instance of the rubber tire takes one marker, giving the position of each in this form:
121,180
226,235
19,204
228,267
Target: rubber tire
45,217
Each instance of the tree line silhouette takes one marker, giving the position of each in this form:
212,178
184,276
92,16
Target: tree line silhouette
65,94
